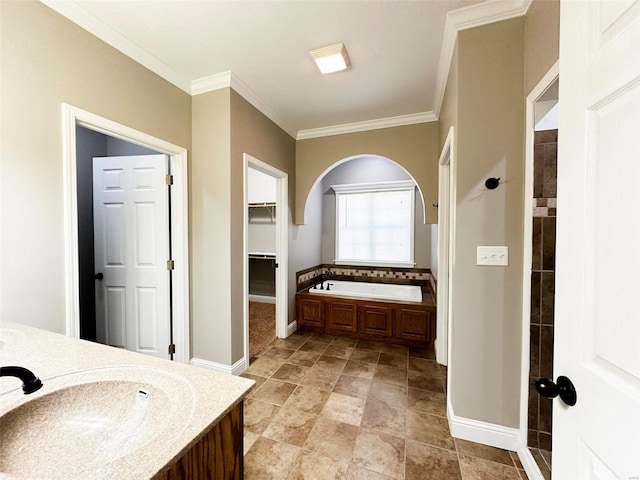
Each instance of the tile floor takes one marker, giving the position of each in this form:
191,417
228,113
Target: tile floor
262,326
337,408
543,459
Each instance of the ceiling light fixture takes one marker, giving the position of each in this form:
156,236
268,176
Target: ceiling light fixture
333,58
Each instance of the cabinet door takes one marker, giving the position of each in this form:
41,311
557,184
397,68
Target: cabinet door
310,313
376,320
416,325
342,317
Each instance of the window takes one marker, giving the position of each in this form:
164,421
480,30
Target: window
374,223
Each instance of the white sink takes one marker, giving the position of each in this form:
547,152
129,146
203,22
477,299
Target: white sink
79,424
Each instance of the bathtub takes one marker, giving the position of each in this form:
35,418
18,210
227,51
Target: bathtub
382,291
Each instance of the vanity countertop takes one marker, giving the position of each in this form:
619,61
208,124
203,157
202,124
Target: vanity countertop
52,357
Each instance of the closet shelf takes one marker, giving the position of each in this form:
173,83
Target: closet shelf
262,255
269,206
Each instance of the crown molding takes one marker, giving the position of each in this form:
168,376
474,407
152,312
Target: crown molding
211,83
457,20
254,99
367,125
229,79
92,24
464,19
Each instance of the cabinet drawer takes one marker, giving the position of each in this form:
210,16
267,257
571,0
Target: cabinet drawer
376,320
342,317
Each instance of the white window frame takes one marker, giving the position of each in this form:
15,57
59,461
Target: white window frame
370,188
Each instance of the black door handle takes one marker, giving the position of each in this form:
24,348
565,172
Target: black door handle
564,388
98,276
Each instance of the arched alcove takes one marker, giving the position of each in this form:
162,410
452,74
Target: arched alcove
358,169
370,176
412,147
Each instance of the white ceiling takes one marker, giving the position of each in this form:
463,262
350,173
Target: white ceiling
394,45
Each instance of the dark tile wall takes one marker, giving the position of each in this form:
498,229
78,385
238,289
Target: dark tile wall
542,284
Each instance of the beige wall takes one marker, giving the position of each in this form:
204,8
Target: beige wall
210,203
486,311
225,127
541,40
414,147
494,68
449,110
47,60
254,134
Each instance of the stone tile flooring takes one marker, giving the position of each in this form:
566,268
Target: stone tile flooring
543,459
262,326
337,408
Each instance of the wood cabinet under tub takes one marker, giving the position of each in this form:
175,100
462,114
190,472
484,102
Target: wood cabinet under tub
385,321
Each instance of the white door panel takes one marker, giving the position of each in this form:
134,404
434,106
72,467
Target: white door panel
597,341
131,250
115,312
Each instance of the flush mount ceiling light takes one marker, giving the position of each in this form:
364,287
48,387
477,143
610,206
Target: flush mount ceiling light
331,59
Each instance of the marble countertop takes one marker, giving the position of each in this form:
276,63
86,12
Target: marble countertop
52,357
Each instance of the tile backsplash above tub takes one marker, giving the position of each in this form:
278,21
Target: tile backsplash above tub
406,276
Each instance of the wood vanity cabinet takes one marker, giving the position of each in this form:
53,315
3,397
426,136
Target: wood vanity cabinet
342,317
384,321
216,456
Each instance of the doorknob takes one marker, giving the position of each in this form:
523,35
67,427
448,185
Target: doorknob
564,388
98,276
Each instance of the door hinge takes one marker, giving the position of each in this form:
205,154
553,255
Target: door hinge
172,349
169,179
170,264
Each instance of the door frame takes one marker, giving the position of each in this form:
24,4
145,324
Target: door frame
445,239
74,116
282,251
549,78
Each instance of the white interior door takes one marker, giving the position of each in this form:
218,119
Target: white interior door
597,343
131,230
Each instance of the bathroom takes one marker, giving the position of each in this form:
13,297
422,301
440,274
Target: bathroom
213,129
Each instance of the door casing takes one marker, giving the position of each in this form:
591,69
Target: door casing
73,116
446,224
528,462
283,329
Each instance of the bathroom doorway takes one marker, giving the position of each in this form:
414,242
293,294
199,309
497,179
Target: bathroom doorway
80,280
539,272
265,256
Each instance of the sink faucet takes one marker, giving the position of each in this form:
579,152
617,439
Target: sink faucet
30,383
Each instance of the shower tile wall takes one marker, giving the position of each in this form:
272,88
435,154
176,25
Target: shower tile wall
542,284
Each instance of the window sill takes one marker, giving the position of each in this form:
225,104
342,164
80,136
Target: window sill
374,264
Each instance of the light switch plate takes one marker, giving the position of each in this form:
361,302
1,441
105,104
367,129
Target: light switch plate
494,256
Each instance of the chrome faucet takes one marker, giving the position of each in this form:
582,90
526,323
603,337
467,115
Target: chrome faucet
30,383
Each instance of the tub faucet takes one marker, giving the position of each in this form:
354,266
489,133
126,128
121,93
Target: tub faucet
30,383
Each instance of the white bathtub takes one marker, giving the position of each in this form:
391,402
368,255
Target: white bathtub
381,291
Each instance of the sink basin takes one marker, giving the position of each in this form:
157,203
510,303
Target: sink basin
81,424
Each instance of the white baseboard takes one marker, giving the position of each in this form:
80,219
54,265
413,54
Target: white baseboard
529,464
261,299
483,432
292,327
235,369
